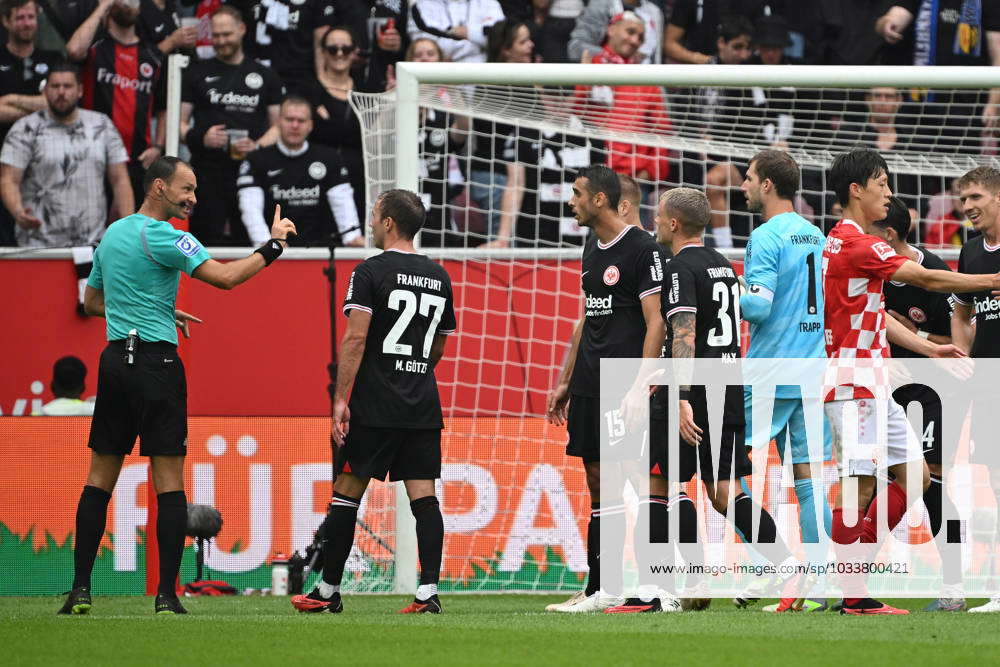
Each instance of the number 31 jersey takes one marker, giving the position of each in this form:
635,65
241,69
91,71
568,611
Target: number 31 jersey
701,281
410,300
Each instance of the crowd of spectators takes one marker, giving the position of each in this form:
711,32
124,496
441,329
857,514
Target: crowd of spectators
266,116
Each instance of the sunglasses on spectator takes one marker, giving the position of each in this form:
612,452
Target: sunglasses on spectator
334,49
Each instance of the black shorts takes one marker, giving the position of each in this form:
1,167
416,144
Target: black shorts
147,400
930,432
400,453
584,423
733,458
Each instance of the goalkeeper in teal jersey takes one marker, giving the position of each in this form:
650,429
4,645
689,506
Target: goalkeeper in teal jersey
784,305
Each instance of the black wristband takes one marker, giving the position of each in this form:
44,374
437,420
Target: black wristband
684,394
270,251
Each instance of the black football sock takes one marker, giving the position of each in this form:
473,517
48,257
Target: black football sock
171,525
613,522
652,513
91,517
339,536
687,522
936,500
767,543
932,501
430,537
593,549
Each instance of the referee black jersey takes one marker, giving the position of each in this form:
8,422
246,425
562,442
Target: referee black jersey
615,277
928,311
305,184
978,257
701,281
410,300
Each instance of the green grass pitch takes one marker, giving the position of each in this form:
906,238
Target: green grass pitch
478,630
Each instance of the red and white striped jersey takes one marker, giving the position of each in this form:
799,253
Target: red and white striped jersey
855,265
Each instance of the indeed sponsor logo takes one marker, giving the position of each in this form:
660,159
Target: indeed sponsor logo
598,303
295,193
987,306
233,99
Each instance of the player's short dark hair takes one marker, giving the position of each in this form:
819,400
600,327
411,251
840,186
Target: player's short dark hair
733,26
898,218
297,101
602,179
629,190
501,36
7,7
68,376
231,11
855,166
405,208
780,168
66,67
988,177
690,207
164,168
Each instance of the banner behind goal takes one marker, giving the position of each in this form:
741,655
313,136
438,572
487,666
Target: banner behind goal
494,150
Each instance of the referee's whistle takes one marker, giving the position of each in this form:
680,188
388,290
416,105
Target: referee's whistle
131,344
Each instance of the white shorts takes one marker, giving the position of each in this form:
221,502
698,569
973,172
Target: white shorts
871,435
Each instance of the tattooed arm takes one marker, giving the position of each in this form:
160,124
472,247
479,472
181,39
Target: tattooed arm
683,326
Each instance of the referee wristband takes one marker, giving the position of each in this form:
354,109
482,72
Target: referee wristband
270,251
684,394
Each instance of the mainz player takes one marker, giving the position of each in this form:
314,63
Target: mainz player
858,332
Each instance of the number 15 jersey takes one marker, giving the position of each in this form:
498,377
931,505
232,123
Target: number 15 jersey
410,301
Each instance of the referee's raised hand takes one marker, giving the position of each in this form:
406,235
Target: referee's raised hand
281,228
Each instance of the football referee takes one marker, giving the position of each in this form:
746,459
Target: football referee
141,388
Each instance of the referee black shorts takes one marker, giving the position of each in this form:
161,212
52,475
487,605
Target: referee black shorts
147,400
399,453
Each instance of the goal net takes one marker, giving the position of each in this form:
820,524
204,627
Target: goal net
495,161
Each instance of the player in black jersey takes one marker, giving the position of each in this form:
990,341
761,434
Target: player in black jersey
307,180
700,304
228,92
927,314
979,192
621,277
400,309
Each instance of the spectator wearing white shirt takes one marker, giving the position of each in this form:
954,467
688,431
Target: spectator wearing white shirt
55,162
460,27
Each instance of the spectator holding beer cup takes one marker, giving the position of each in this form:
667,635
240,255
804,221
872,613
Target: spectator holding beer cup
229,108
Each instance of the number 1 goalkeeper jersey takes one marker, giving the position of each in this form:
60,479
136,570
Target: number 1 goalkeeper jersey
783,266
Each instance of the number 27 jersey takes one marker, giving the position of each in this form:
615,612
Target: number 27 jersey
410,301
